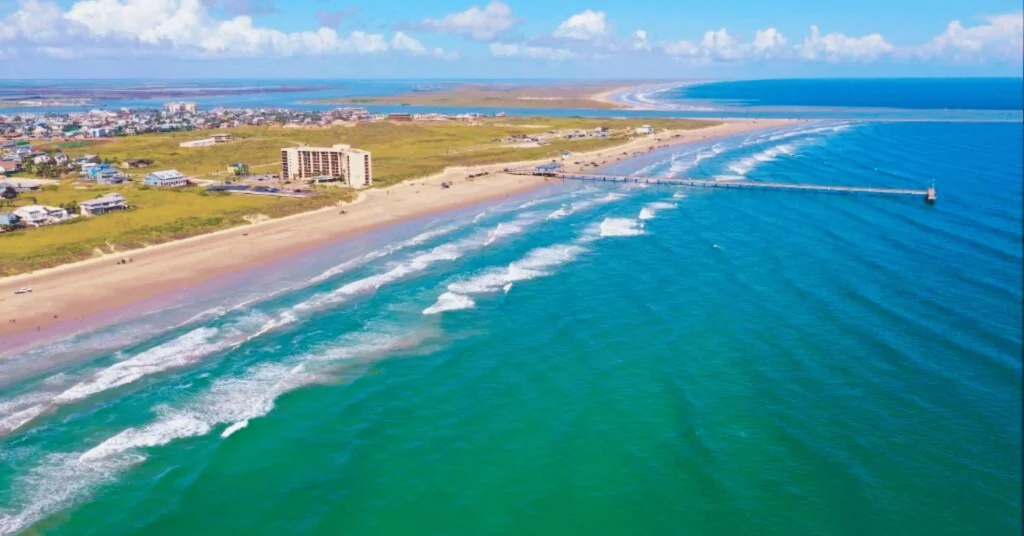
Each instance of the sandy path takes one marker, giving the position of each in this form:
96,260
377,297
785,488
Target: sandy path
63,297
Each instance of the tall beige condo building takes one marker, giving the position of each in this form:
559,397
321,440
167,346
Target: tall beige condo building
353,166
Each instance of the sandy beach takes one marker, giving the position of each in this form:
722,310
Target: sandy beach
64,298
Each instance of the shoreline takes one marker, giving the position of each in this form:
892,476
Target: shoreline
75,297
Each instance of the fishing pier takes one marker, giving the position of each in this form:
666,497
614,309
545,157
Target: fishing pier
553,170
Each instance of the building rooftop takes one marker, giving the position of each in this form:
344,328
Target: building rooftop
103,200
167,174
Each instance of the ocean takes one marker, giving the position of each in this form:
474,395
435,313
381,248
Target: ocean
599,359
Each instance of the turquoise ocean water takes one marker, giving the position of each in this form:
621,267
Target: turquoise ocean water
582,359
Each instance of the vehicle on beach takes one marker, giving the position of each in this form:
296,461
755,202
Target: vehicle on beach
23,290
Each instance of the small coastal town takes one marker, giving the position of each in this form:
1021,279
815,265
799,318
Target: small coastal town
34,154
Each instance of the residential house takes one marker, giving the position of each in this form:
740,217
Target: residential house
41,159
132,163
20,185
99,132
645,130
8,166
170,178
9,219
104,174
37,215
102,205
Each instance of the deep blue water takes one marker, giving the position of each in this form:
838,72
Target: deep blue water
584,358
900,93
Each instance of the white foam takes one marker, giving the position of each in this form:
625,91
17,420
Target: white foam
747,164
502,230
234,428
364,259
507,288
560,213
536,263
679,164
450,301
57,482
678,195
235,399
621,227
650,210
19,403
20,418
372,283
153,435
349,265
176,353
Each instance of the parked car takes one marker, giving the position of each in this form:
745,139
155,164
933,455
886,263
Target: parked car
23,290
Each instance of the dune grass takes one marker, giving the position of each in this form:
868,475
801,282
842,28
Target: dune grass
157,215
400,152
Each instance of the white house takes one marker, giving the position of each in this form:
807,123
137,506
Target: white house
103,205
645,130
36,215
171,178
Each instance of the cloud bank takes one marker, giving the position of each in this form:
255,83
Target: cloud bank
210,29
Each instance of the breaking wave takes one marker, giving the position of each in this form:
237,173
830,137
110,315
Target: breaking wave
450,301
620,227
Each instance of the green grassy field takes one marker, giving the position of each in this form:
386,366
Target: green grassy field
400,152
157,215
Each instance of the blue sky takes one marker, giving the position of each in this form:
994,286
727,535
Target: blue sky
508,39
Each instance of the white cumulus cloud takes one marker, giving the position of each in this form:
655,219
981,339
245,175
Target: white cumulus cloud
769,43
184,27
1000,38
835,47
720,45
639,41
585,26
476,23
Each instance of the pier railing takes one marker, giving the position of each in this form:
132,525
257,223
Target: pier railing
929,195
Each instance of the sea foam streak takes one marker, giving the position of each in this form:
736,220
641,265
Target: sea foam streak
745,165
650,210
536,263
417,240
176,353
449,301
620,227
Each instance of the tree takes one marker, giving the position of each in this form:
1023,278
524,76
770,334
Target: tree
9,193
